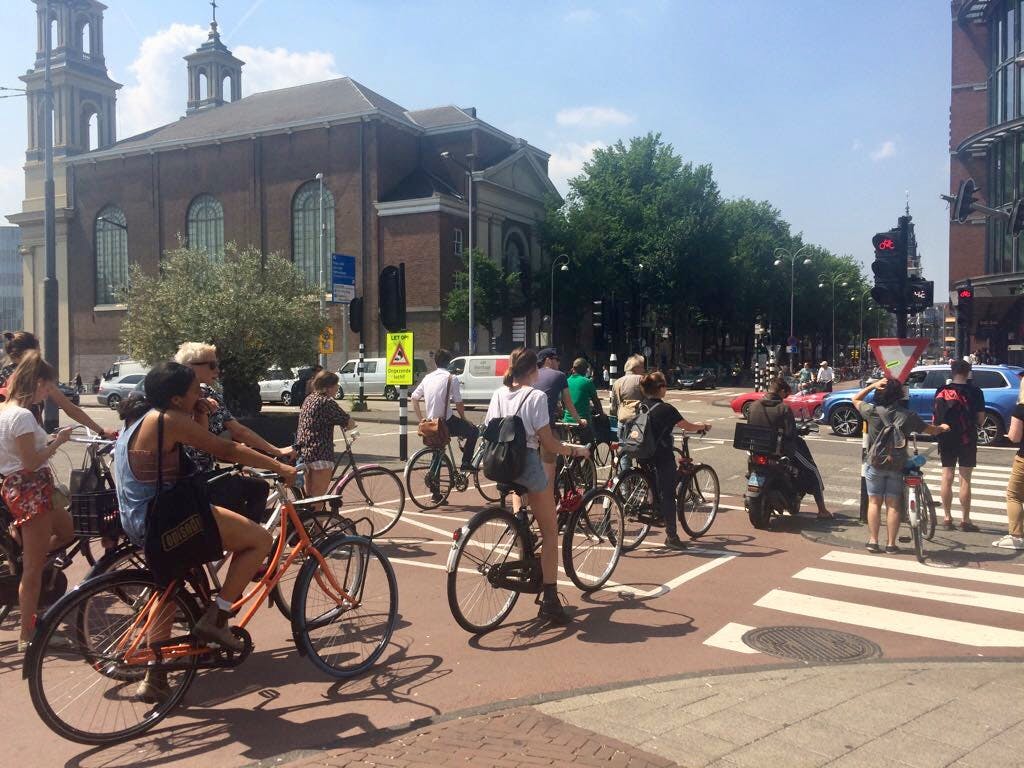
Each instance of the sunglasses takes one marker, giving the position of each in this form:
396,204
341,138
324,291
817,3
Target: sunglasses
213,364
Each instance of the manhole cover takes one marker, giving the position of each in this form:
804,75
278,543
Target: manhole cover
811,644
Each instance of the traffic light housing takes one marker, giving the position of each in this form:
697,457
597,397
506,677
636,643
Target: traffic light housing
392,298
963,203
355,315
890,269
597,313
964,303
920,295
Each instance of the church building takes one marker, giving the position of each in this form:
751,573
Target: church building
243,169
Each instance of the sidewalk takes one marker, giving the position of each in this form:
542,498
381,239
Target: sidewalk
919,714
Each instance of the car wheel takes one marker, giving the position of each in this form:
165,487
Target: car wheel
990,430
340,395
390,393
745,410
113,401
845,421
286,397
817,413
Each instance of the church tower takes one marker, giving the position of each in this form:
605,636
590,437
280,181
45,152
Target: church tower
209,67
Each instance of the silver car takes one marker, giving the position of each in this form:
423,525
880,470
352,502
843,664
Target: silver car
114,391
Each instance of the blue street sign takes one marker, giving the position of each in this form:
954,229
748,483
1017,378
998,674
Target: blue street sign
343,278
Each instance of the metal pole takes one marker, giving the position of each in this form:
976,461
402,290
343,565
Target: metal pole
469,343
51,329
792,291
552,315
362,356
832,352
320,287
403,424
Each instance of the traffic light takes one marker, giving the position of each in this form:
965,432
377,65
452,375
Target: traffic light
963,203
355,315
920,294
392,298
890,268
598,313
964,303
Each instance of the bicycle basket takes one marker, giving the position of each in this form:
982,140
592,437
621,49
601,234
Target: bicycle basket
95,514
757,439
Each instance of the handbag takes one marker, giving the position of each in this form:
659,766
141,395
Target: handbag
181,531
435,431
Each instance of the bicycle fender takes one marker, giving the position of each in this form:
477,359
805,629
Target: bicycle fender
459,533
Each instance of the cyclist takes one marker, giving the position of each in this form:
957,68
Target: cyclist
433,388
626,397
583,393
662,417
518,396
318,416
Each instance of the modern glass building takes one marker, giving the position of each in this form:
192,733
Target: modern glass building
11,304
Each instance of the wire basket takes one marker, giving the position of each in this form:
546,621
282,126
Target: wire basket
757,439
95,514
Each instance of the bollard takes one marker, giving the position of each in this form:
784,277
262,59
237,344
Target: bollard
613,369
863,472
771,363
403,424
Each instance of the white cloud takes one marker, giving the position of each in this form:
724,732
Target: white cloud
158,91
886,150
857,145
591,117
580,16
567,161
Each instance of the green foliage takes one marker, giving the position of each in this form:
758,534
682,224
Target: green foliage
490,291
254,308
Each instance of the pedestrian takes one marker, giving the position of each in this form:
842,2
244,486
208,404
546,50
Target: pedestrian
78,383
605,376
826,377
806,377
627,394
887,484
319,414
440,389
1014,538
555,386
961,406
309,380
95,384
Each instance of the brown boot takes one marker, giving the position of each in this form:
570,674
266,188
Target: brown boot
213,628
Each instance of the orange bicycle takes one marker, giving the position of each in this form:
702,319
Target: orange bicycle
114,656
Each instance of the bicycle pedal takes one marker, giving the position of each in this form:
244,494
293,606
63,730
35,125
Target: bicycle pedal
904,539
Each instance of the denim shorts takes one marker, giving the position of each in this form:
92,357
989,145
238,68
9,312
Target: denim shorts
533,477
884,482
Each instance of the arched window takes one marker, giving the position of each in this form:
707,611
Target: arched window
206,226
90,127
111,238
204,85
225,88
306,231
516,262
85,37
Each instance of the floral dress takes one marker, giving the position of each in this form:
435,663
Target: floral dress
317,419
5,373
218,424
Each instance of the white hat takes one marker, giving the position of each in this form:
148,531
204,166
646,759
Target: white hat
824,363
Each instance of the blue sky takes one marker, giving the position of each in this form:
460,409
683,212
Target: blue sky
830,109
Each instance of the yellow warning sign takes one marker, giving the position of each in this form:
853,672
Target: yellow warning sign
326,344
399,357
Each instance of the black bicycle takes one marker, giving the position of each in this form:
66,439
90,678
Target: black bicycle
431,474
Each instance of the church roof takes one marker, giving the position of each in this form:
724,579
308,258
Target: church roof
419,183
437,117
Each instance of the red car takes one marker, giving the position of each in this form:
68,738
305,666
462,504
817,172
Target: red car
803,406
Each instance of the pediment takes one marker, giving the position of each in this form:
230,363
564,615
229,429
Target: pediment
520,173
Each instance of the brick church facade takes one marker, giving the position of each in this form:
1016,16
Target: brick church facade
243,170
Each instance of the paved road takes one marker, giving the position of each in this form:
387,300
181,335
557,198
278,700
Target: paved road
665,614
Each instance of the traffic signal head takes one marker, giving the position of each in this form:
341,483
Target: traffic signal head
964,303
890,268
966,196
355,315
920,294
392,298
598,313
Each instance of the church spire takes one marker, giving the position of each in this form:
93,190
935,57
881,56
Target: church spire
209,67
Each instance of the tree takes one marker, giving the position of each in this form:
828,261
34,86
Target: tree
256,309
490,290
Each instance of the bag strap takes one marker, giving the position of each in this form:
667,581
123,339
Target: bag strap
447,393
160,451
522,402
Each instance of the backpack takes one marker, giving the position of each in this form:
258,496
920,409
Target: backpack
882,451
504,447
957,413
638,440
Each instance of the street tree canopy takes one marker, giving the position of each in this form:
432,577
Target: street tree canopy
490,291
256,309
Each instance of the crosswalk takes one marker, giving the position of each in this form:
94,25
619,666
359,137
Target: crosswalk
964,606
988,491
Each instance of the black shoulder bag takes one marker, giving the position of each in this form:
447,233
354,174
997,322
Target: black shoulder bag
181,531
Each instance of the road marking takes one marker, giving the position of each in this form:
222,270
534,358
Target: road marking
912,566
730,637
915,589
700,570
902,622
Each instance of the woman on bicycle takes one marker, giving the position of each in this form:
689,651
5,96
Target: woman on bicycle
27,483
662,418
518,396
319,414
173,390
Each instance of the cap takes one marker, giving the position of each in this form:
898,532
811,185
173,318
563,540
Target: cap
824,362
547,352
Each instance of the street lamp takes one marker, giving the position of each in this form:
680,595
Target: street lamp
833,279
558,260
791,258
320,286
446,155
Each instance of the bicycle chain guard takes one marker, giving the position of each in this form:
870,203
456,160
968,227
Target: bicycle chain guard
517,575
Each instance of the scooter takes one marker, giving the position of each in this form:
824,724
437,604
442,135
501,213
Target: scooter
773,479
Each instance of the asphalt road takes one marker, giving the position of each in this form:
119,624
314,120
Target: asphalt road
663,613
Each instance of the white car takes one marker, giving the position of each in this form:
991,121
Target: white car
276,386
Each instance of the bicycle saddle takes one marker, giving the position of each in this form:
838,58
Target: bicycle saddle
506,488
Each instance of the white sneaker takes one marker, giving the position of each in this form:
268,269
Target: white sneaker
1009,542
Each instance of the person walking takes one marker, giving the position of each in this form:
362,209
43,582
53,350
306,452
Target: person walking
961,406
440,390
78,383
1014,538
826,376
887,484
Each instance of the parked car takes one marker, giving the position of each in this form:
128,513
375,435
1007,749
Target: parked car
276,386
698,378
804,406
123,368
374,375
999,383
69,391
114,391
479,375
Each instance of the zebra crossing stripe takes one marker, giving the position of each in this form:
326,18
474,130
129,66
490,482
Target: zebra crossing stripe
912,566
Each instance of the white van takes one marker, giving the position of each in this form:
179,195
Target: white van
479,375
124,368
374,373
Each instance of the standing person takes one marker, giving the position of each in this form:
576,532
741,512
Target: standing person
627,394
245,495
440,389
826,376
554,384
95,384
78,383
961,406
887,484
662,417
319,414
806,377
27,487
1014,538
582,392
605,376
518,396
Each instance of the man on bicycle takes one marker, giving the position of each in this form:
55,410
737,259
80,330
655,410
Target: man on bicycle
440,389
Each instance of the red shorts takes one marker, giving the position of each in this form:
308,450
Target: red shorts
27,494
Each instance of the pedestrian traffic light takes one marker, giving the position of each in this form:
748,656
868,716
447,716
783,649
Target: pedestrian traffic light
890,268
392,298
964,303
355,315
963,203
920,294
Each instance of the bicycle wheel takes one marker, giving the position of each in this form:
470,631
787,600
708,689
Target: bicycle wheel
917,519
584,472
637,498
319,524
592,541
490,538
375,493
486,489
344,633
81,683
602,454
928,509
428,478
697,500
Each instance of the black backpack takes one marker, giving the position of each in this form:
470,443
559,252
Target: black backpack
504,448
639,441
882,451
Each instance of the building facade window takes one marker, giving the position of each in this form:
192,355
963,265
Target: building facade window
1003,252
517,262
457,243
306,232
1005,87
206,226
111,242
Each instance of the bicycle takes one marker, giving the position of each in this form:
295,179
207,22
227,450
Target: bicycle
123,629
917,508
697,497
575,472
380,488
502,548
431,474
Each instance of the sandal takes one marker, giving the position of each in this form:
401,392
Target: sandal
968,527
872,546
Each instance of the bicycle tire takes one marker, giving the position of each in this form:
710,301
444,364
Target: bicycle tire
44,664
123,557
929,504
491,536
917,522
697,504
487,490
592,540
316,610
636,497
382,494
420,491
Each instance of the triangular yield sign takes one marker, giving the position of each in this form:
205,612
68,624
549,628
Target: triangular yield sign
897,357
399,358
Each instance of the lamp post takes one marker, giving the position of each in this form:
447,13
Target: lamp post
469,206
558,260
791,258
833,279
322,358
51,328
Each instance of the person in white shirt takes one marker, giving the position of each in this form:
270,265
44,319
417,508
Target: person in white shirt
432,389
519,397
826,376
